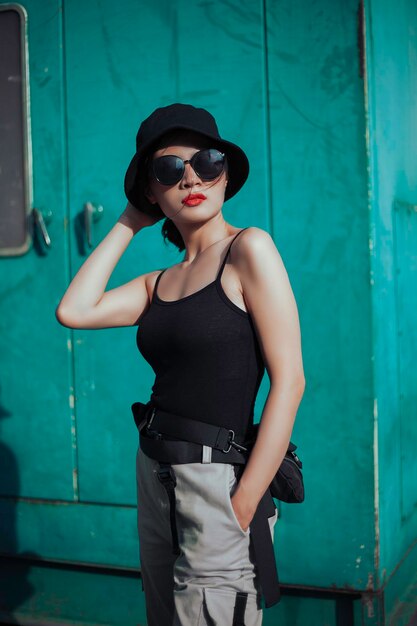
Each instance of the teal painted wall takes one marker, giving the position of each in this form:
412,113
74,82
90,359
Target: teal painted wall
320,223
392,120
326,147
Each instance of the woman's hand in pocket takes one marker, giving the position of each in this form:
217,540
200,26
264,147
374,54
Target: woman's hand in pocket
244,511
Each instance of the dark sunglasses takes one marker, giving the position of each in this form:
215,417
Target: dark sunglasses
208,164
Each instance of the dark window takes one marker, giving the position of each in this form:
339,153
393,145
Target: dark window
14,133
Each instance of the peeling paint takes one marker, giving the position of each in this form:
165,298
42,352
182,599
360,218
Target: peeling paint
71,400
370,582
75,482
69,345
369,606
74,451
376,489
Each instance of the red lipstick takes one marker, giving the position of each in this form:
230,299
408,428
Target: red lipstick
193,199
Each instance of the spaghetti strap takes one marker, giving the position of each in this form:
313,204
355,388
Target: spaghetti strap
227,254
156,282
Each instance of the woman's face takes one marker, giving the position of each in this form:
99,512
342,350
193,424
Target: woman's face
173,198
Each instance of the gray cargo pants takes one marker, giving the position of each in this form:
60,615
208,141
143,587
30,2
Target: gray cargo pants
197,587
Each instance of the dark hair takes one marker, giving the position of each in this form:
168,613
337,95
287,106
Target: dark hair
169,231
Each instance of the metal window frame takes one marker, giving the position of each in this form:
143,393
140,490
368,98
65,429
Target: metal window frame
26,126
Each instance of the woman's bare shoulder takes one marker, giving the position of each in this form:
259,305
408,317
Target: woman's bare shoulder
255,234
254,243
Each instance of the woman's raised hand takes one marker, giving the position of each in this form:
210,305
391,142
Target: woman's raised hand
86,303
136,219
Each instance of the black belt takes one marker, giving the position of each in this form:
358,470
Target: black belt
170,438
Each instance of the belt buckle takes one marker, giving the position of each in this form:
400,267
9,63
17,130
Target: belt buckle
230,440
167,475
154,434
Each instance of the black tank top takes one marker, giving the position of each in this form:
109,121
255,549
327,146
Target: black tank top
205,354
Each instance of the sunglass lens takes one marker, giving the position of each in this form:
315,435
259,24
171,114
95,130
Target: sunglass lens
168,169
209,163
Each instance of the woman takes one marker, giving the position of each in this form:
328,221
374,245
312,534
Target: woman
209,328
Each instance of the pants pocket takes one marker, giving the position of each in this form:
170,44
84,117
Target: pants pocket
219,606
272,521
231,488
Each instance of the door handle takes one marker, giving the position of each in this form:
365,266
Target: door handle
40,220
92,213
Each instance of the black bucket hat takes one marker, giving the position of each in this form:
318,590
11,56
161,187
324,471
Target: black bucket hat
164,120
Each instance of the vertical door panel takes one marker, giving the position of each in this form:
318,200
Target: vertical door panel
405,249
320,220
35,351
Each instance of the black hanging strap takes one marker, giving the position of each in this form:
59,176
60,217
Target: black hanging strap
167,477
264,551
263,546
240,608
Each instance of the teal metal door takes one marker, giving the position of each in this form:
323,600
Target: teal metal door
73,437
36,452
68,440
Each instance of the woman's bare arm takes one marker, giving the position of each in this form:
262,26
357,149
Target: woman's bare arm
269,299
85,304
